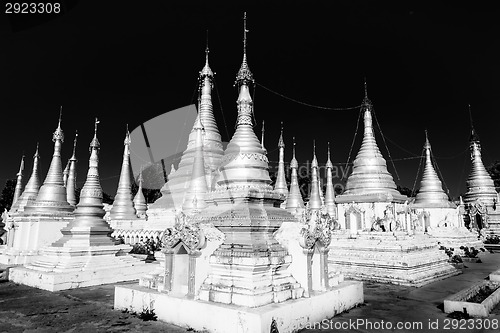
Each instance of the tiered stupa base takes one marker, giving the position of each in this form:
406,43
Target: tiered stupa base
290,316
32,233
455,237
388,257
68,268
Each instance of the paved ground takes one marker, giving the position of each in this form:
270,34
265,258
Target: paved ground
25,309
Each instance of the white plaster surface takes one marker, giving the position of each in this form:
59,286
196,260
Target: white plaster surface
116,270
290,316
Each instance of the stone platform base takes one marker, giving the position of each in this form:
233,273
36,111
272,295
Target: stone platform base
62,280
456,237
495,276
14,257
395,258
290,316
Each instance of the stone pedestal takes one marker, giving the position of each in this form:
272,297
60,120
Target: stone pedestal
289,316
396,258
32,233
68,268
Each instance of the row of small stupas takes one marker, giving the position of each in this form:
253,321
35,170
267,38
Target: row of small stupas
370,202
369,182
61,243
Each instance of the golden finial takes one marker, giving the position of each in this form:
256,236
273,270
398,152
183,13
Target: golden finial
328,161
366,89
244,75
36,151
58,134
127,138
206,49
60,116
245,34
427,144
474,137
206,71
314,163
281,142
95,143
293,162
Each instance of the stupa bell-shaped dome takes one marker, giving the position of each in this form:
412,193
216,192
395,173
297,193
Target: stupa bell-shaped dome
52,194
31,190
294,199
480,185
369,178
245,163
431,193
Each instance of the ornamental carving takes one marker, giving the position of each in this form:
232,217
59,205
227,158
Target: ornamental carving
184,231
318,227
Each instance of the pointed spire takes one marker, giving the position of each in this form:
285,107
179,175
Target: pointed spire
330,191
262,137
140,204
174,190
314,196
480,185
206,71
123,206
474,137
52,194
280,185
244,76
88,228
431,193
370,175
31,190
172,170
195,195
19,182
66,173
71,180
294,200
244,142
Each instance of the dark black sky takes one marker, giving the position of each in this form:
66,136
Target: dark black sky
131,62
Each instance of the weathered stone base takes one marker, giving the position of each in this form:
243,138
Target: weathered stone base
290,316
80,271
395,258
458,302
456,237
495,276
12,256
